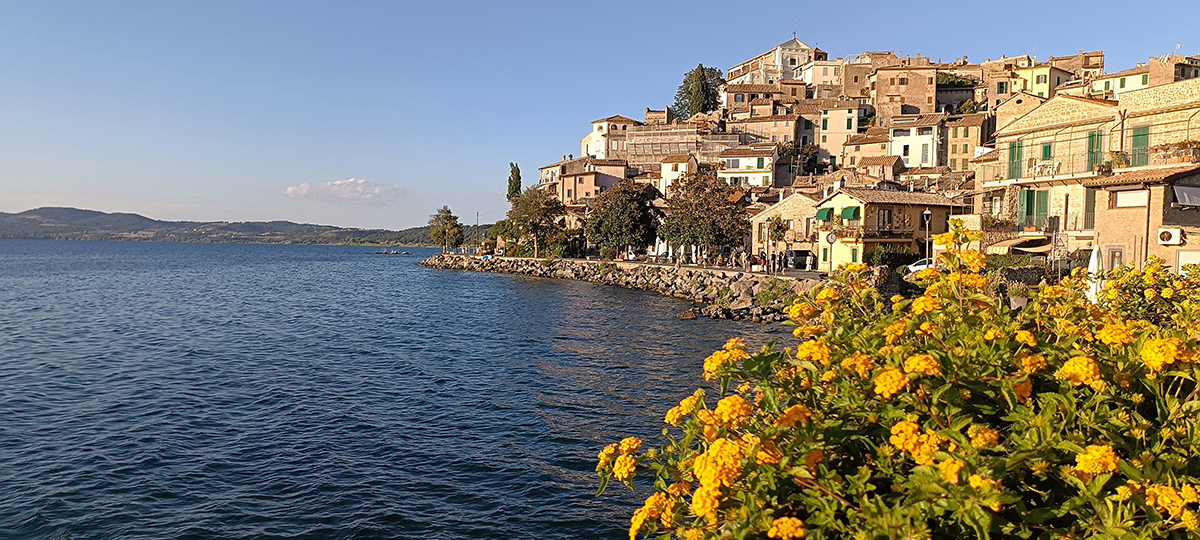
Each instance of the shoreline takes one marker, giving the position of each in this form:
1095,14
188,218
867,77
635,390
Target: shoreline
722,293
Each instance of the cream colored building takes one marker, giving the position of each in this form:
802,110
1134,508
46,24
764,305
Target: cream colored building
777,64
918,140
606,140
748,166
674,167
861,220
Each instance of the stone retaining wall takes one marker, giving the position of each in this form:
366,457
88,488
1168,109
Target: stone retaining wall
727,294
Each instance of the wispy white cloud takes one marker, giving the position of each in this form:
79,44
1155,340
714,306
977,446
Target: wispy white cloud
355,190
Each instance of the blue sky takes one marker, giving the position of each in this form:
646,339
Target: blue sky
373,114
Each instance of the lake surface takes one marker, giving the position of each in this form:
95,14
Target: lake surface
157,390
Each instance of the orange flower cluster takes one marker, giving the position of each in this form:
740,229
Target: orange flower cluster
907,436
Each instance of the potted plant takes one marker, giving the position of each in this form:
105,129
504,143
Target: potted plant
1018,295
1118,159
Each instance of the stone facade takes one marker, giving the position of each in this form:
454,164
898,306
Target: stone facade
796,211
1128,233
899,90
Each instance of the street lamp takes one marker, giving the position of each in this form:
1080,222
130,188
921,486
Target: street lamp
928,217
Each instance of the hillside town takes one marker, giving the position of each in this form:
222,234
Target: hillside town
1051,158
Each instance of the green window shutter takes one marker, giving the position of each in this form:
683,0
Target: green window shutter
807,124
849,123
762,162
824,254
853,255
1095,150
1014,159
1145,79
1141,141
1046,152
824,123
1042,208
1023,204
1089,209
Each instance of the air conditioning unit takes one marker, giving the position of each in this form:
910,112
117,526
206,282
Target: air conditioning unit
1170,237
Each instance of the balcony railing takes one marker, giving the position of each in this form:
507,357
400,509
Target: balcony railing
872,232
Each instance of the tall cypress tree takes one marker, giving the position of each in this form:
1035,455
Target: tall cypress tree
514,181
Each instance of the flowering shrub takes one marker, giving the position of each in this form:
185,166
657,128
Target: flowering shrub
948,415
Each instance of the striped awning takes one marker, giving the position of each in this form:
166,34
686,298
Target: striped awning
1004,247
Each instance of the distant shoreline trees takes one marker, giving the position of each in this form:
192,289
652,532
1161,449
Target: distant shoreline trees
445,229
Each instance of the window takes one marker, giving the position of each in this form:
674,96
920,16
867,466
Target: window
762,162
903,81
856,78
1002,88
599,128
824,123
925,131
966,131
674,167
793,91
792,61
924,152
1146,79
1108,85
739,98
1041,79
824,72
900,132
824,138
568,193
774,138
966,149
753,97
787,138
1131,199
892,81
853,255
1122,82
824,254
807,124
929,100
849,123
904,151
734,163
852,160
955,133
1047,155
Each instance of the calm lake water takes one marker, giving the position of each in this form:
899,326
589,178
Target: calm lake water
156,390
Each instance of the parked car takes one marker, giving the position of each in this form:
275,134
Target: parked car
922,264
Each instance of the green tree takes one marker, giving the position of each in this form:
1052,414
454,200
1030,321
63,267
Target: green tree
699,92
536,214
505,231
624,215
514,181
445,229
700,213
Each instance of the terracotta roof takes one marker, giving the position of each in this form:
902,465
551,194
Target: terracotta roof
769,118
604,162
1148,176
866,138
650,175
760,101
677,158
976,119
882,196
922,120
737,194
886,161
1135,71
618,118
750,88
989,156
930,171
746,152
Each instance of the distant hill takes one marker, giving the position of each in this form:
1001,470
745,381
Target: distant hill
76,224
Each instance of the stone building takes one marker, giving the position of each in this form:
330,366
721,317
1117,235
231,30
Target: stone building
863,220
1152,212
1084,65
576,182
966,134
905,89
703,137
883,167
869,144
797,211
1047,163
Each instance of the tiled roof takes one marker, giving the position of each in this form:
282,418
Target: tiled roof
929,171
760,101
922,120
1135,71
885,161
866,138
990,156
1147,176
746,152
976,119
606,162
650,175
676,158
882,196
751,88
618,118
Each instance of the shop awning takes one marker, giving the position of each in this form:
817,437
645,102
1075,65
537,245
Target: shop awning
1187,195
825,214
1035,249
1004,247
850,212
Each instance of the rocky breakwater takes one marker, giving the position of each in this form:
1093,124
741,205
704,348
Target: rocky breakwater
725,294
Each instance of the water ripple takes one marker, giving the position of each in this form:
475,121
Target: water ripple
226,391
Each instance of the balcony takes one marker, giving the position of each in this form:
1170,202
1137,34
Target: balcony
852,232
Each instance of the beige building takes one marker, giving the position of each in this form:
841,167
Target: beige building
578,181
900,90
703,137
797,211
674,167
966,135
1152,212
919,140
870,144
748,166
606,140
1049,162
859,221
